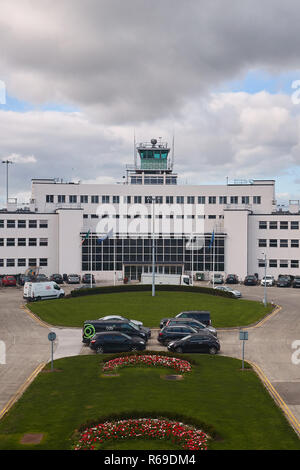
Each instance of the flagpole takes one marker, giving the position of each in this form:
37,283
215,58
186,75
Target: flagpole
115,240
91,261
192,258
214,260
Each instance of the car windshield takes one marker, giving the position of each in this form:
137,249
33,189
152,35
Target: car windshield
136,327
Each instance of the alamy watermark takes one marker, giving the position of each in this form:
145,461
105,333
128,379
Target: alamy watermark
296,353
296,94
2,92
2,353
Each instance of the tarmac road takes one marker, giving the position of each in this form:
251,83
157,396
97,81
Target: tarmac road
269,345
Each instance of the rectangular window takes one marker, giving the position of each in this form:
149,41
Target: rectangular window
61,198
32,262
234,199
49,198
169,199
72,199
21,262
256,199
116,199
294,243
222,199
1,262
137,199
11,223
212,217
10,262
127,199
211,199
294,263
273,225
32,223
10,242
43,223
261,263
284,225
245,199
1,223
95,216
262,242
273,263
1,241
180,199
21,223
159,199
284,244
21,241
105,199
32,242
43,241
191,200
283,263
95,199
43,262
84,199
273,243
201,199
262,224
294,225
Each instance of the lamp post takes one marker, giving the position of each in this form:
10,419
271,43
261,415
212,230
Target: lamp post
153,246
265,283
7,162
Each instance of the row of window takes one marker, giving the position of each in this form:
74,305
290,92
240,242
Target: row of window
106,199
273,243
153,180
283,224
24,242
23,223
282,263
23,262
149,216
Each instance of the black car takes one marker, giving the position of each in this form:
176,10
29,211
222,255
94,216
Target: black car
296,282
284,281
250,280
232,279
86,279
91,327
197,325
170,333
57,278
114,341
23,278
198,343
203,316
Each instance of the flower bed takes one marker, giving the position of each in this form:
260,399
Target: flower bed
149,360
182,435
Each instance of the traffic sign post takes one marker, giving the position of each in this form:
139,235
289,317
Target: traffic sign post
52,338
243,337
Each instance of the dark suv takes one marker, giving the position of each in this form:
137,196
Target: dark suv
250,280
169,333
91,327
232,279
296,281
197,325
203,316
86,279
198,343
284,281
114,341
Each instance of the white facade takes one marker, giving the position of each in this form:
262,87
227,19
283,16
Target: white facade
242,216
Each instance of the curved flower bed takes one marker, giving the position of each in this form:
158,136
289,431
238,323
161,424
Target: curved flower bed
148,360
182,435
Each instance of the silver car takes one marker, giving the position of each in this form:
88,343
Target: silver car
237,294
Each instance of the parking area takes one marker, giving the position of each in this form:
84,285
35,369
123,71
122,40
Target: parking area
270,344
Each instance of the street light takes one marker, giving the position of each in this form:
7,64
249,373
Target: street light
265,283
7,162
153,246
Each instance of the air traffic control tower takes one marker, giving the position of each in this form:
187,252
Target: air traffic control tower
153,164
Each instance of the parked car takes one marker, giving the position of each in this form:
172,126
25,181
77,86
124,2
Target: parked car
284,281
119,317
250,280
268,281
73,279
23,278
236,293
65,277
232,279
198,343
202,316
171,333
114,341
41,278
296,282
86,279
123,326
193,323
8,281
57,278
217,279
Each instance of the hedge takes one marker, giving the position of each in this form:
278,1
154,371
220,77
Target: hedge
148,287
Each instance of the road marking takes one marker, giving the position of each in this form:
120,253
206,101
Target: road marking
22,389
34,317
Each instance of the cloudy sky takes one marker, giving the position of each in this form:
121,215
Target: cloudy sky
78,78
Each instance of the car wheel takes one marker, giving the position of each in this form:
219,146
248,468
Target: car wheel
134,349
100,350
38,298
61,296
212,350
179,350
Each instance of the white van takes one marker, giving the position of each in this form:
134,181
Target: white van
42,290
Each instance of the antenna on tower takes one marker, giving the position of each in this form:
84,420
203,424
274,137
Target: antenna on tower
134,150
173,151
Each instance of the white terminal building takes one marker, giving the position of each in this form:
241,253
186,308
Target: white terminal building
58,231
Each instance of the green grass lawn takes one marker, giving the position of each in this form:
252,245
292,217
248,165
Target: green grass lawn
217,392
225,312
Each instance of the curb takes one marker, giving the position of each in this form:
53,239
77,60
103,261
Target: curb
22,389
